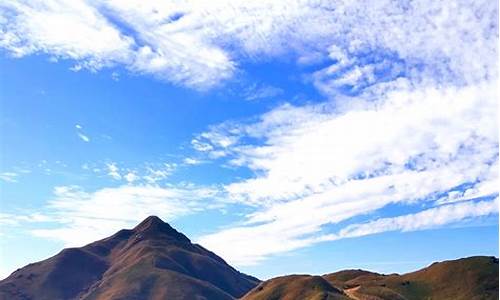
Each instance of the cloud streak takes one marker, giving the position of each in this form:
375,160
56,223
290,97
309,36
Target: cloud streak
79,217
83,137
9,176
411,119
426,219
80,133
411,146
411,116
190,43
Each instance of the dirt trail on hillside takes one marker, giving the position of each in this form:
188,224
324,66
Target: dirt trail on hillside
355,295
351,293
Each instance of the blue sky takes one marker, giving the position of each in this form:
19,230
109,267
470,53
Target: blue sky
295,137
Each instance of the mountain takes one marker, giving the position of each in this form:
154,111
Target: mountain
151,261
470,278
292,287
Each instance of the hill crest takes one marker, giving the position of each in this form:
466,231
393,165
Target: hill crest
151,259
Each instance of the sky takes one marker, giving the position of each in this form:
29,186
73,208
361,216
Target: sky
287,137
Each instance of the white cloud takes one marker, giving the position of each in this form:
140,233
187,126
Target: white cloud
199,146
200,44
252,244
8,219
131,177
83,137
67,29
486,186
412,117
115,76
113,171
317,166
103,34
142,173
308,149
80,134
158,174
422,220
261,91
419,119
80,217
192,161
9,176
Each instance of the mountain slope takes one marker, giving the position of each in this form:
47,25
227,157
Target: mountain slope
304,287
154,261
151,261
470,278
466,278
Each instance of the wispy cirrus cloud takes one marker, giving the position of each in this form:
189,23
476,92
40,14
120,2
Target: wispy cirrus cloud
83,137
9,176
257,92
77,216
190,43
410,146
80,134
191,161
273,238
147,173
411,115
425,219
407,122
113,171
105,34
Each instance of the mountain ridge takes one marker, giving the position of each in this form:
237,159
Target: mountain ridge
150,261
155,261
470,278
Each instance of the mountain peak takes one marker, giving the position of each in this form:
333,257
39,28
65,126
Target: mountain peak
153,225
151,261
151,220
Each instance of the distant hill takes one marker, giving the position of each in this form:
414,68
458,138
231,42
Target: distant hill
151,261
472,278
296,287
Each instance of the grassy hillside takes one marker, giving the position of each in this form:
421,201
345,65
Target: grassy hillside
151,261
473,278
295,287
470,278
